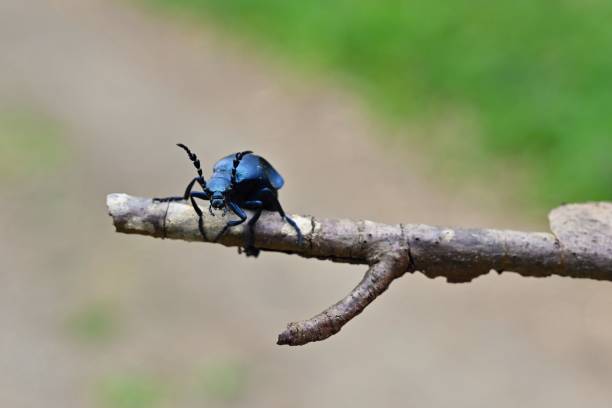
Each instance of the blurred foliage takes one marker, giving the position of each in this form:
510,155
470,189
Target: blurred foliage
534,74
30,144
95,323
224,380
130,391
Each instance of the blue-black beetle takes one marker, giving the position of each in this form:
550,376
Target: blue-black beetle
239,181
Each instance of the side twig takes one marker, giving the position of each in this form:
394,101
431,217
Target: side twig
579,247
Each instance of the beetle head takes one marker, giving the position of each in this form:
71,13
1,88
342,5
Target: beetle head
217,200
218,188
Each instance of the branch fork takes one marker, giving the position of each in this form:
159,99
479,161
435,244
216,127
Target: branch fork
388,262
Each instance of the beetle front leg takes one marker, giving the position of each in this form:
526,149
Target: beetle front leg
232,223
203,196
187,193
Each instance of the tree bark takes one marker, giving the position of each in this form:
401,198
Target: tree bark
580,246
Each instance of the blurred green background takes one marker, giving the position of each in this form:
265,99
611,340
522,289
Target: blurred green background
531,77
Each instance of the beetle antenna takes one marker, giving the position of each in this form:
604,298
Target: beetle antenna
237,160
196,163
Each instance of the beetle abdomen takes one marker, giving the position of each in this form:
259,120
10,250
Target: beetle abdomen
252,168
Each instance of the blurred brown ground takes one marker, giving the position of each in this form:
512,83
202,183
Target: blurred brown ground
125,86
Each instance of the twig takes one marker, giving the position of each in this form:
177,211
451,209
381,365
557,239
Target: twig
581,247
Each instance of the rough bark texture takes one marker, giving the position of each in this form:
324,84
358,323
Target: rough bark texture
579,247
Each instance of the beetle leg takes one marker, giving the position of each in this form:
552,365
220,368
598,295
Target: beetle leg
249,247
200,195
279,208
198,211
270,197
231,223
185,196
166,199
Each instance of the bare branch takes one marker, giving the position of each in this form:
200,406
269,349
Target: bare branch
377,279
581,247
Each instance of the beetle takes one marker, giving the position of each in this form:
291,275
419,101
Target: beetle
239,181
